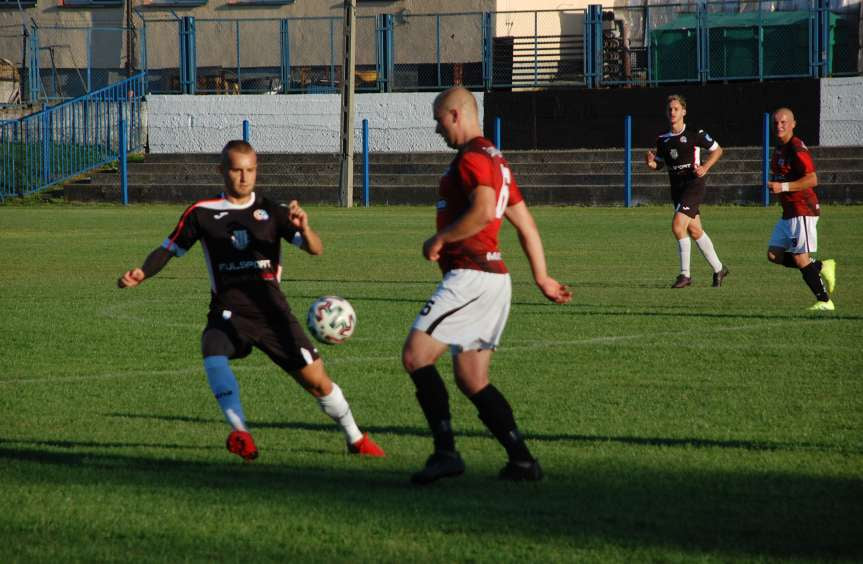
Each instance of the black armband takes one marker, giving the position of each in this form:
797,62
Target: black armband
156,261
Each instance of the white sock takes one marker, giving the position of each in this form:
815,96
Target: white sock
684,247
705,245
336,406
224,385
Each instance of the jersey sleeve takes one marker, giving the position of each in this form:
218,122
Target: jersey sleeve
287,230
475,170
660,151
803,163
705,141
184,235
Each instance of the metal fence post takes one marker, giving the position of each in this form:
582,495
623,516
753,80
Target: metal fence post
627,161
246,131
366,195
285,59
124,165
239,70
765,159
34,78
497,132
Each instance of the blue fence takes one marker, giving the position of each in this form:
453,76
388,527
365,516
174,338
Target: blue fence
71,138
599,46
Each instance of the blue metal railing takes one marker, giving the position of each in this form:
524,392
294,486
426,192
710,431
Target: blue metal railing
69,139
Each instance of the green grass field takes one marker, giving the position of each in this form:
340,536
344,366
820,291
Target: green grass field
707,425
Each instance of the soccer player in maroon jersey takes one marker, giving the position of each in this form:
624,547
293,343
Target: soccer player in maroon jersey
796,233
241,234
469,309
681,150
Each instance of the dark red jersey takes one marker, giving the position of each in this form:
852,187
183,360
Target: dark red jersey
479,163
242,249
792,161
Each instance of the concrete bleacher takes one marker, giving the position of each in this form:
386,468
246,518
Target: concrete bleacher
575,177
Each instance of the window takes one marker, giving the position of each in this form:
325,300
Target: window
88,3
8,4
259,2
171,3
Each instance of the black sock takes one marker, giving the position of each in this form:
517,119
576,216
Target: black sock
434,401
817,264
497,415
813,280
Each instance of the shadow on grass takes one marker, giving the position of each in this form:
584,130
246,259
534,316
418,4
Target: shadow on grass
574,438
594,504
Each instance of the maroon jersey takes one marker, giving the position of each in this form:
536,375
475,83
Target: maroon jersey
242,248
792,161
479,163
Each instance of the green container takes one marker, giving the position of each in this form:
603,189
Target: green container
740,46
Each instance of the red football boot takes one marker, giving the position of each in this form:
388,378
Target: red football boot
242,444
366,447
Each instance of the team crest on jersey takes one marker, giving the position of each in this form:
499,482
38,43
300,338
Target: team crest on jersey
673,153
261,215
240,239
441,204
683,139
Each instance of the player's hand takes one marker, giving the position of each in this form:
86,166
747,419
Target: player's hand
131,278
775,187
432,247
650,159
701,170
297,215
554,290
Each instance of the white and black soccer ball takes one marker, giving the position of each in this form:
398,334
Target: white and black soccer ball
331,320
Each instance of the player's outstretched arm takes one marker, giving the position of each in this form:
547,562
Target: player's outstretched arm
312,243
154,262
531,243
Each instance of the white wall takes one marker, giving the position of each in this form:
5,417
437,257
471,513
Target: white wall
841,111
302,123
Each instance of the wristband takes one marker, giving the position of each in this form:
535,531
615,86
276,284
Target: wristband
784,186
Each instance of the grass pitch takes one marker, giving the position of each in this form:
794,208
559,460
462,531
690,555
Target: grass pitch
703,424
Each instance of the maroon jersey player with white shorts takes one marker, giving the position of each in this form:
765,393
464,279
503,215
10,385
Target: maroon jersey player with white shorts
469,309
795,235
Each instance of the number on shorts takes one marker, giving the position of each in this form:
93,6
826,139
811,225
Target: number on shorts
427,308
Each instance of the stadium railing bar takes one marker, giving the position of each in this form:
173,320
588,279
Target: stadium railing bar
71,138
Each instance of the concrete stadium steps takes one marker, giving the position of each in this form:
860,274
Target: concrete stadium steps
581,177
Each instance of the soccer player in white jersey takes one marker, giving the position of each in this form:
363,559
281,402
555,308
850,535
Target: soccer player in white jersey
467,313
241,234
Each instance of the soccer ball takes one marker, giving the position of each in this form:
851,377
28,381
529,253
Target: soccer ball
331,320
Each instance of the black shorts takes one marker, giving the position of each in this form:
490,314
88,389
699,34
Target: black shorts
278,334
688,195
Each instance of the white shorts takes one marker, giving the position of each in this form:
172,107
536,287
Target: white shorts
468,310
796,235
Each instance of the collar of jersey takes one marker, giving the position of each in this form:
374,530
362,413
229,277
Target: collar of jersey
223,204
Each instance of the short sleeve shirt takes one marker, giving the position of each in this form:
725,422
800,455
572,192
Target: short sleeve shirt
792,161
682,152
479,163
242,249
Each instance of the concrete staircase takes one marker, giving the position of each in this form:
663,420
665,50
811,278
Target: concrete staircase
577,177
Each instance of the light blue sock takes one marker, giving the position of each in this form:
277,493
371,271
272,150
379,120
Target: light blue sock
224,385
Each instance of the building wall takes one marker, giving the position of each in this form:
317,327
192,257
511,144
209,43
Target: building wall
841,111
216,42
291,124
